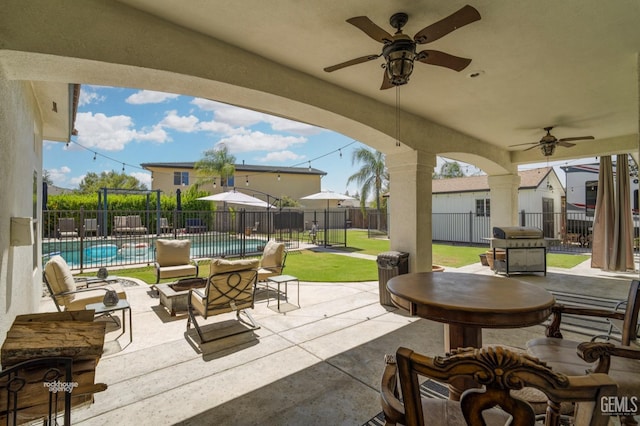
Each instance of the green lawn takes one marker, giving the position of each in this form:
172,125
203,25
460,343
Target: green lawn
325,267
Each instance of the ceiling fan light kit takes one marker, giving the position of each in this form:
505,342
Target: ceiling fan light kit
399,50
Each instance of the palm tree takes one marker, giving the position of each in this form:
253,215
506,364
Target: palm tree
372,176
216,162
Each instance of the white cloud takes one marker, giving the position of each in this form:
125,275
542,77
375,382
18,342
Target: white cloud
218,127
74,182
280,156
174,121
236,116
87,98
258,141
112,133
59,176
149,97
143,177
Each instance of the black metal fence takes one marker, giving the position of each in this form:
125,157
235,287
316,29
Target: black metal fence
98,238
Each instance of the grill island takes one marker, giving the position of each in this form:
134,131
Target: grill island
525,250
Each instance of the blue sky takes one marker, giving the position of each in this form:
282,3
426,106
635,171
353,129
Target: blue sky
122,128
126,127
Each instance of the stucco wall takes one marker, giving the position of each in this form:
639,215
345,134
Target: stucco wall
21,148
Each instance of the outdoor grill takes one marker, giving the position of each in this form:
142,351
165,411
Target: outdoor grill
524,248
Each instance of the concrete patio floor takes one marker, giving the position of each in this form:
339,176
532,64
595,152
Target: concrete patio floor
317,365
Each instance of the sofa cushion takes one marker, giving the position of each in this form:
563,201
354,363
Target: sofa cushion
60,278
173,252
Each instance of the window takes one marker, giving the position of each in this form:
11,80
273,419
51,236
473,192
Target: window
483,207
229,181
180,178
591,194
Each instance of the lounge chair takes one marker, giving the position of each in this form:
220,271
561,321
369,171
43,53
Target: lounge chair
90,227
173,259
273,260
165,228
128,225
503,374
194,225
72,294
231,287
67,228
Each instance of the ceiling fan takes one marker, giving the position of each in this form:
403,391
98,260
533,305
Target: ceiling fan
549,142
399,50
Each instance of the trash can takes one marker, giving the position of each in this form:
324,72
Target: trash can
390,264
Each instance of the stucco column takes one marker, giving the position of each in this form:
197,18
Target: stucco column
503,192
410,206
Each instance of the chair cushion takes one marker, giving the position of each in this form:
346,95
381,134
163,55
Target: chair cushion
120,222
272,254
85,298
173,252
60,278
561,355
442,412
220,266
177,271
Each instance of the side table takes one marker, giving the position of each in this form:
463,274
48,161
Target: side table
122,305
282,279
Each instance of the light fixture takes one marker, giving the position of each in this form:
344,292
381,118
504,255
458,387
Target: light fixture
214,183
247,181
340,150
309,165
278,177
94,156
548,149
399,58
122,167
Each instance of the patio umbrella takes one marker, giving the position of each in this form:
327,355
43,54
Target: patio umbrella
603,223
234,197
327,195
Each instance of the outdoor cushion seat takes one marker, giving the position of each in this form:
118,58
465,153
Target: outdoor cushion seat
273,260
72,294
230,287
67,228
173,259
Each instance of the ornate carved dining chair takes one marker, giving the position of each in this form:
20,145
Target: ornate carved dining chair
499,371
624,365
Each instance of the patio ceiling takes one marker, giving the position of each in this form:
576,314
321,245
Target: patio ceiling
570,64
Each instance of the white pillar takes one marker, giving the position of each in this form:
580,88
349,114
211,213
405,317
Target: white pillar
410,206
504,199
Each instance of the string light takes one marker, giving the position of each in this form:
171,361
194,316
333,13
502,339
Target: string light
278,177
94,156
309,165
247,181
214,183
340,150
122,167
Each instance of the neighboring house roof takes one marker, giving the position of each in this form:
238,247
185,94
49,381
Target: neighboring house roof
529,179
242,168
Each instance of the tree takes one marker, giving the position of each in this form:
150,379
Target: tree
93,182
216,163
372,176
46,177
449,170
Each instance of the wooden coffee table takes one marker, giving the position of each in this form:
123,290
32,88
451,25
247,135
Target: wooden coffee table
176,299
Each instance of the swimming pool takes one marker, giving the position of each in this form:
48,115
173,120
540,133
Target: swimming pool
131,252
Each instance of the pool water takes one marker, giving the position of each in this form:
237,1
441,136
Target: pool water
143,252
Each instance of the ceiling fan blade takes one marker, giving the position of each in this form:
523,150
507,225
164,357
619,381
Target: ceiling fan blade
566,144
352,62
462,17
577,138
435,57
386,81
535,146
522,144
367,26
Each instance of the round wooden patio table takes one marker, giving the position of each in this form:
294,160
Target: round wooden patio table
467,303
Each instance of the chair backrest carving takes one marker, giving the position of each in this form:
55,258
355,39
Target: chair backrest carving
499,371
